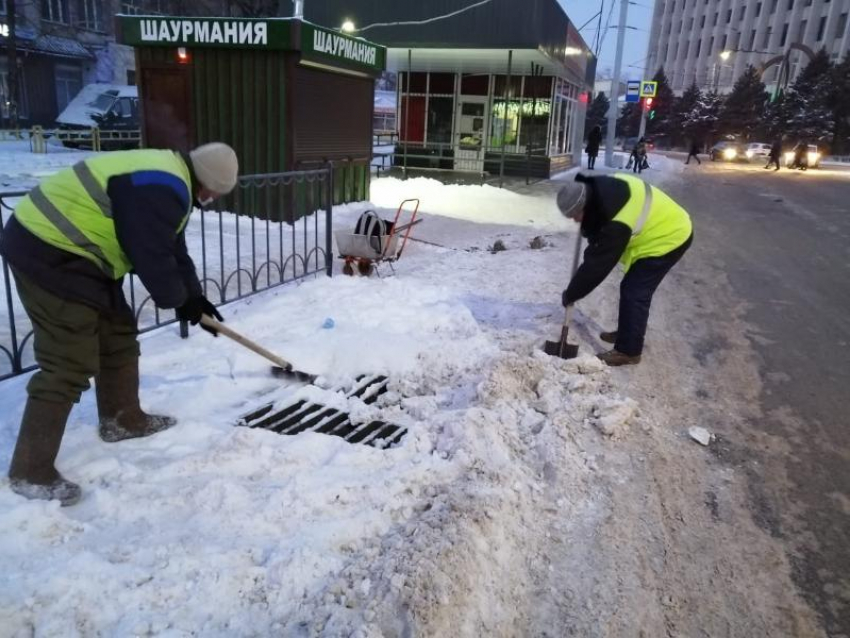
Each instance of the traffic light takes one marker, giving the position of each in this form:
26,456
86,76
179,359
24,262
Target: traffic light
651,111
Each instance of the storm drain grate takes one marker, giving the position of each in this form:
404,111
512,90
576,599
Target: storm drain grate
306,416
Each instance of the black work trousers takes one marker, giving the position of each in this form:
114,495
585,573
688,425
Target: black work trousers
636,292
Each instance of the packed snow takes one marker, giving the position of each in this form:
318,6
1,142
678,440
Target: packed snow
214,529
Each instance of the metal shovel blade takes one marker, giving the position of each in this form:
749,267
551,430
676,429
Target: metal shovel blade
561,348
290,373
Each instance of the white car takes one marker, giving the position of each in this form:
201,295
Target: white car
812,157
757,149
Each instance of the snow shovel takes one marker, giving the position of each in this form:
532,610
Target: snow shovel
562,348
282,368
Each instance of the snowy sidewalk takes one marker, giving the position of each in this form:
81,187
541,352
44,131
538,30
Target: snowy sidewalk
213,529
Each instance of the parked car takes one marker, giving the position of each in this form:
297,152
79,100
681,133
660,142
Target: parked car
727,151
110,107
757,149
812,157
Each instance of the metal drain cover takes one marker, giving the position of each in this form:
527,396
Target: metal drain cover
306,416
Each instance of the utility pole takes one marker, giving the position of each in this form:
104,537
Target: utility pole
643,110
12,48
614,111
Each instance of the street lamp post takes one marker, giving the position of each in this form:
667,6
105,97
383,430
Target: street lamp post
724,55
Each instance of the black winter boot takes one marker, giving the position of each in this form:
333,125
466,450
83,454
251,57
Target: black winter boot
120,415
608,337
32,473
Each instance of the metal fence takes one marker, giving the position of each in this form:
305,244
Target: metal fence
272,230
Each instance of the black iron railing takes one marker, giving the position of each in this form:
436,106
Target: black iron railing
272,230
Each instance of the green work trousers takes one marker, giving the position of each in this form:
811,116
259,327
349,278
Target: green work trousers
73,342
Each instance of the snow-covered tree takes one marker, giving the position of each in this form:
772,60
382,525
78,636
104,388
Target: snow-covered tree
743,109
809,102
662,125
597,114
701,122
682,108
628,123
841,107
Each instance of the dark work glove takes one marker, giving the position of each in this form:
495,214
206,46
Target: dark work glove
565,301
192,310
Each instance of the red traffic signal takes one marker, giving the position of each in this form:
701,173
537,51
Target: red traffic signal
648,102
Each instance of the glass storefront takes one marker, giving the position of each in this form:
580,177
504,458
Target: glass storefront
466,119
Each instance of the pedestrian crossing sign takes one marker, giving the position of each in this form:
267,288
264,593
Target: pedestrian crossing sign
648,88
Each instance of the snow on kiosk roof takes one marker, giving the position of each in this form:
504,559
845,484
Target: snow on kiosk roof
272,88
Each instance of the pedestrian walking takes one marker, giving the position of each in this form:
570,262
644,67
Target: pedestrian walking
69,243
775,154
624,219
800,158
693,152
639,156
593,142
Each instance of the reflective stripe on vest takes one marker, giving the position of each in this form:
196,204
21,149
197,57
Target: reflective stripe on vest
644,213
94,190
72,210
55,216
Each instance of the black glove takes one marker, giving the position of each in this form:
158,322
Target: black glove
565,301
192,310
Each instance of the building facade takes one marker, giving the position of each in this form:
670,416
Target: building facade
481,87
711,42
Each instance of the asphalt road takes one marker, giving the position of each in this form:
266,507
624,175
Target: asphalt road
783,240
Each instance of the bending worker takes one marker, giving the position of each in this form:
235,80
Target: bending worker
69,244
624,219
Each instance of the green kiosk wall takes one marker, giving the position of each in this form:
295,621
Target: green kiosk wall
286,94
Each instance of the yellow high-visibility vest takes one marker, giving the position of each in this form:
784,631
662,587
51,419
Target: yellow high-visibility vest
72,211
659,225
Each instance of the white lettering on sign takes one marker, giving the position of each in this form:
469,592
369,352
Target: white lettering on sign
343,47
205,32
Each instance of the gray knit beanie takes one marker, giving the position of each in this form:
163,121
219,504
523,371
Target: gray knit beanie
571,199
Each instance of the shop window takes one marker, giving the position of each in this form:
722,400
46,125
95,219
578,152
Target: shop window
55,10
504,124
470,125
440,120
69,82
539,87
413,123
515,86
418,83
443,83
533,124
474,84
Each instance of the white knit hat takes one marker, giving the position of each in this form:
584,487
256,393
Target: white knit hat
216,167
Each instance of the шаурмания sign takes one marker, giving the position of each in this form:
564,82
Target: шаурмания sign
206,32
203,32
316,43
340,46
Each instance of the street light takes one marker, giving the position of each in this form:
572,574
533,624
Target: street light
348,27
725,55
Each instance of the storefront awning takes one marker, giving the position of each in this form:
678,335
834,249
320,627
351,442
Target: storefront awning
479,61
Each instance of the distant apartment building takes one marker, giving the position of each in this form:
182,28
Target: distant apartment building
711,42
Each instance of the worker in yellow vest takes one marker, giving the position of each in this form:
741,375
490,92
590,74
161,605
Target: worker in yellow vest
69,243
624,219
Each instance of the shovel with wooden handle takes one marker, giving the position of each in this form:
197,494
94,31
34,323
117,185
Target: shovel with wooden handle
562,348
281,368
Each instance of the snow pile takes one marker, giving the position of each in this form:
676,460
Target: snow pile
483,204
212,529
